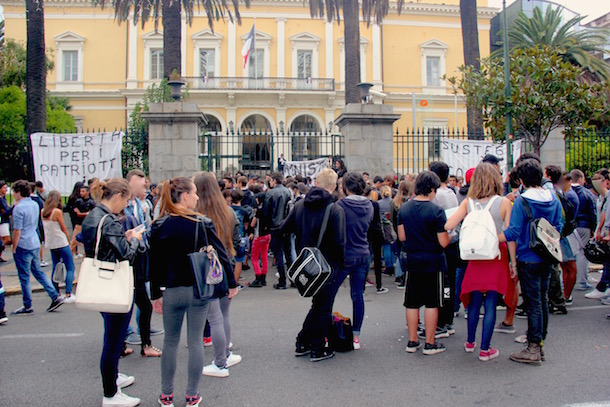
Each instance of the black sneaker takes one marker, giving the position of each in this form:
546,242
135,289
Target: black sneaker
440,333
561,310
279,286
569,301
433,348
412,346
521,315
450,329
23,311
245,267
301,350
256,283
57,302
317,356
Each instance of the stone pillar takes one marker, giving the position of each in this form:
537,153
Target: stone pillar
173,139
369,140
553,151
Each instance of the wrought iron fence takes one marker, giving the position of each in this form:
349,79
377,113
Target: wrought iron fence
588,151
258,152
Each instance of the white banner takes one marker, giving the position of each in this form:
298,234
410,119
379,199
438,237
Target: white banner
309,168
461,155
61,160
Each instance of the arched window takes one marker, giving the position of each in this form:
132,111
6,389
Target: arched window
255,138
304,137
213,124
256,122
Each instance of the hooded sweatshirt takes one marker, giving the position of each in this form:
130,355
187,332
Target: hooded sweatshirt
544,204
305,221
358,217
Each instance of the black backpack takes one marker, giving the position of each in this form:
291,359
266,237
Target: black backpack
569,212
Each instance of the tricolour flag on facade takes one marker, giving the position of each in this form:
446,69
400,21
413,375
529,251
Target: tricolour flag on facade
248,45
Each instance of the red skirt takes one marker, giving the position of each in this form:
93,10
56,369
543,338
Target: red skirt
486,275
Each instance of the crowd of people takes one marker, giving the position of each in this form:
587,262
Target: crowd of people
407,227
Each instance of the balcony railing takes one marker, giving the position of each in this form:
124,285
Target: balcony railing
239,83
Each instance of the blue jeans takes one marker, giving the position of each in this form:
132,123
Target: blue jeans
459,278
65,254
1,298
489,300
535,278
26,261
388,256
604,282
356,270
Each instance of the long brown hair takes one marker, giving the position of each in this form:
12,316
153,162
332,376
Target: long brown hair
53,202
486,182
171,190
212,204
405,190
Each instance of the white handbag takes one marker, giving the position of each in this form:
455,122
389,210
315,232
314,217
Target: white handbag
104,286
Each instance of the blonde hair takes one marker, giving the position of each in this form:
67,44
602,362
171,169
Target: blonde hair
102,190
327,179
486,182
386,191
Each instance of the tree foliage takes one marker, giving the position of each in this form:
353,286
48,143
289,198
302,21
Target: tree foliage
12,64
547,93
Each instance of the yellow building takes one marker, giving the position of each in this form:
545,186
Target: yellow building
297,83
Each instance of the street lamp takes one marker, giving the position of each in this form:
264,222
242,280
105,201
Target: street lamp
507,95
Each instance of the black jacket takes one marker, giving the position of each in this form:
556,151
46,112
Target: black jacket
171,239
276,206
113,245
375,233
305,221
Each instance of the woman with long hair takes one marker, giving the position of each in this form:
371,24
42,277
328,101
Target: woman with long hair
74,219
485,280
405,190
57,240
177,231
212,204
114,245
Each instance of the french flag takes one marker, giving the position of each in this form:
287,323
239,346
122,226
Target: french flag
248,45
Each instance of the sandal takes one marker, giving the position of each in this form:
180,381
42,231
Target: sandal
126,351
150,351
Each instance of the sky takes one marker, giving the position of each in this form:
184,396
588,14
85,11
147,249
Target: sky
590,8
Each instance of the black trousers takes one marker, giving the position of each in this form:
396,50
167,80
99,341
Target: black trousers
277,247
556,298
318,319
144,305
445,316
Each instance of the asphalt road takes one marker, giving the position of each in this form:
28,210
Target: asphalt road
52,359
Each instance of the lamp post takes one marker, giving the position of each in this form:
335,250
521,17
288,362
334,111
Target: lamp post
507,95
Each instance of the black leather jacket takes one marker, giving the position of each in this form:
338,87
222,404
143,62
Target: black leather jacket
113,245
275,208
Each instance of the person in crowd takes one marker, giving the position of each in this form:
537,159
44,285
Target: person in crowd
485,281
447,199
340,168
275,210
75,220
57,240
366,176
42,193
281,162
260,244
384,212
153,195
244,217
115,245
462,192
178,229
248,200
493,160
5,214
34,197
26,249
601,183
585,225
377,183
452,183
534,273
225,221
570,268
375,239
305,221
405,190
358,218
421,228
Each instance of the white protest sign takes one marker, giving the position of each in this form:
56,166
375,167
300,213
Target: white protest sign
460,155
61,160
309,168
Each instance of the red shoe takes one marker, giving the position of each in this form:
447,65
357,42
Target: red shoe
207,341
490,354
469,347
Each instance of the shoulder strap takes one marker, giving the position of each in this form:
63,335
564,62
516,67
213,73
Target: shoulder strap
491,202
470,205
324,224
98,237
526,207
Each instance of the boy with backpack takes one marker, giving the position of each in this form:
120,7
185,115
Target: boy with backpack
244,217
534,271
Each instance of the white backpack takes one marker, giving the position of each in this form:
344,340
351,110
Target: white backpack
478,236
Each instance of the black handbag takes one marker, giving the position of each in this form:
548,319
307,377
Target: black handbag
341,333
210,280
596,252
310,270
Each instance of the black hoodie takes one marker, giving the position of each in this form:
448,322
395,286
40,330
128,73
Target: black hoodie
305,221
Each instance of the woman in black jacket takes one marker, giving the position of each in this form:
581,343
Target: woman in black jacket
172,238
114,245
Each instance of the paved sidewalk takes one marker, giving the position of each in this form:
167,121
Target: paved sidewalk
10,280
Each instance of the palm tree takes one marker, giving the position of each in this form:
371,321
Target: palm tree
472,57
35,68
170,12
577,45
351,32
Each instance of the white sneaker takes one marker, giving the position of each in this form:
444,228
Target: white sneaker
120,400
215,371
123,380
70,300
43,263
233,359
596,294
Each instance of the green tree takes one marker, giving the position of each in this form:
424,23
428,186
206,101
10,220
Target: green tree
12,64
169,11
547,93
577,45
351,32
